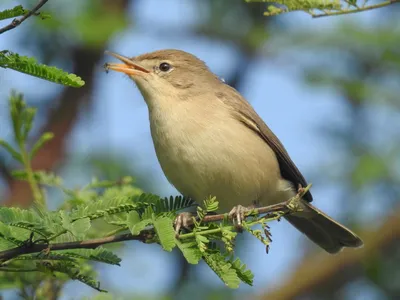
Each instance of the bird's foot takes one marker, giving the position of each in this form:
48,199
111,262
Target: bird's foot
183,220
237,214
300,189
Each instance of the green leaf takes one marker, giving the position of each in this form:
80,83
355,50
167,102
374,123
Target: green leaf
7,238
27,116
39,229
41,177
211,204
108,183
165,232
9,215
29,65
47,136
17,106
216,261
172,204
296,5
202,242
72,270
78,228
135,224
244,274
118,220
99,254
14,153
99,208
228,237
12,13
190,251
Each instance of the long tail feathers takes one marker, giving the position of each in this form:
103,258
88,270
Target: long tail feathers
323,230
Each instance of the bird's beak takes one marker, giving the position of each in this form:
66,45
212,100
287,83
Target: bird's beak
128,67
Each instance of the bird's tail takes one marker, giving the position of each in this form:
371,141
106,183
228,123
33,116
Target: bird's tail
323,230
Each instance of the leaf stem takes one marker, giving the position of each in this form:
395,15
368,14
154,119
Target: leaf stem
37,194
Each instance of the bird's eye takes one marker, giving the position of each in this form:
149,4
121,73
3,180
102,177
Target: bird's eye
165,67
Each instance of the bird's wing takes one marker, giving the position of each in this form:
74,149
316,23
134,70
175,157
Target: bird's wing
245,113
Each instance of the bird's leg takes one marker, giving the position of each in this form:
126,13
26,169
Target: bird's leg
183,220
238,212
300,189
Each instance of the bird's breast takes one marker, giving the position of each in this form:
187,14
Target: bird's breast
204,151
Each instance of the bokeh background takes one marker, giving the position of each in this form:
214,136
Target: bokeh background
328,87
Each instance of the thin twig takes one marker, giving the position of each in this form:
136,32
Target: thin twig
351,11
17,22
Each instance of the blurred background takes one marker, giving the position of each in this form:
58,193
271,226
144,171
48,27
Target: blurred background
329,88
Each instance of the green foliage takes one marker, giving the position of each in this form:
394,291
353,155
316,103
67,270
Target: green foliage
29,65
231,273
19,10
99,254
58,244
165,231
44,178
190,251
320,8
22,121
13,12
72,269
96,23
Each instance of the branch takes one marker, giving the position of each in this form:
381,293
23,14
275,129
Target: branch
17,22
329,8
318,273
144,236
358,9
30,248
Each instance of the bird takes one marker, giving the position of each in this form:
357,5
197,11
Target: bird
210,141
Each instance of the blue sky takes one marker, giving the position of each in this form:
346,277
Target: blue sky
118,123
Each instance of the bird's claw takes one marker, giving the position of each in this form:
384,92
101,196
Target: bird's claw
182,220
237,214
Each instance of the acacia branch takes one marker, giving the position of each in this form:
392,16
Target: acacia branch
17,22
144,236
30,248
358,9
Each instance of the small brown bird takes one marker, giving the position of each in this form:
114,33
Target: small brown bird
210,141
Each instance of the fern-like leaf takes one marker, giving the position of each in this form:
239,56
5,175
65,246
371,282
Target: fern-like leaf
165,232
243,273
216,261
136,224
13,12
99,254
190,251
41,177
173,204
72,270
78,228
29,65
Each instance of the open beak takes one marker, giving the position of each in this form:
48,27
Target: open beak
128,67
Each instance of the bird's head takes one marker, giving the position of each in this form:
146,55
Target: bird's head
172,74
